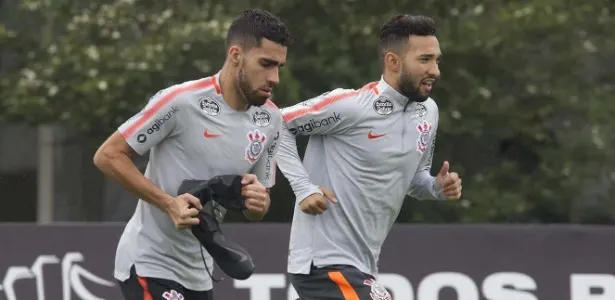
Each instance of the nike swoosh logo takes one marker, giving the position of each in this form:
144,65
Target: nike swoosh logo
240,256
371,135
207,134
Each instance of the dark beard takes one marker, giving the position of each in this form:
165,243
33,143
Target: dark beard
408,89
246,90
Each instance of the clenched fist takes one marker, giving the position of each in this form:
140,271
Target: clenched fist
257,197
181,212
316,204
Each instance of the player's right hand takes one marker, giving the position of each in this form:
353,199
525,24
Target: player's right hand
184,210
316,204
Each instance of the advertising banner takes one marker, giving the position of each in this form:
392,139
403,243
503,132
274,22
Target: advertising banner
418,262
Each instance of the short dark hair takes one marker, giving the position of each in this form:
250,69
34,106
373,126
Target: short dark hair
252,25
396,31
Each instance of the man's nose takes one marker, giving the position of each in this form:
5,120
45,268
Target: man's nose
434,71
274,77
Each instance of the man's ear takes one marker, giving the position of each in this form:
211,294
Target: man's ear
235,54
392,61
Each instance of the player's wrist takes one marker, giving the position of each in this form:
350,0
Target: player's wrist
436,190
314,189
254,216
166,203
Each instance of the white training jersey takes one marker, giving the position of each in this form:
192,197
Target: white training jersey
191,133
371,147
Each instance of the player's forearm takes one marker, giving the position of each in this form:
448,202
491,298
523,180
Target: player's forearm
424,187
291,166
120,168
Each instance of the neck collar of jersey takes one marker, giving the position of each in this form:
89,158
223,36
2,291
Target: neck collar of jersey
386,90
217,80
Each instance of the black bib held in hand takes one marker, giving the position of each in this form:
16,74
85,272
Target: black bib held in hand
225,190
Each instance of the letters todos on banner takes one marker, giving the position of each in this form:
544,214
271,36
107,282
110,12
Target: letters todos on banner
496,286
418,263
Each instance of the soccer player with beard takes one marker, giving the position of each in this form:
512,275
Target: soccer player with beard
222,124
368,148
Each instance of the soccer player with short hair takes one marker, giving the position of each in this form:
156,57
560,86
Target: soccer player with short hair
222,124
371,146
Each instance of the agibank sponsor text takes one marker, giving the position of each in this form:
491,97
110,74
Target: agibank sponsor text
316,123
159,120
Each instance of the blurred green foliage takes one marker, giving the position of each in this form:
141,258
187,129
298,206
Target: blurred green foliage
525,95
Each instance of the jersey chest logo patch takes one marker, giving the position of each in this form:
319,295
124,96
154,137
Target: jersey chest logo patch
383,106
256,145
378,291
172,295
420,110
424,130
261,118
209,106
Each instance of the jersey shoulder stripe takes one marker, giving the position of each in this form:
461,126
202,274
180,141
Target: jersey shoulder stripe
173,93
320,104
273,109
271,104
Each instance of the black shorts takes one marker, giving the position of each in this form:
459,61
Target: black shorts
139,288
338,282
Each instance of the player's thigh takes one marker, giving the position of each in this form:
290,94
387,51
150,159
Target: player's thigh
359,285
315,286
139,288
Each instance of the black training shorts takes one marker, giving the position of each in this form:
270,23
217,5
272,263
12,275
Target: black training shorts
139,288
338,282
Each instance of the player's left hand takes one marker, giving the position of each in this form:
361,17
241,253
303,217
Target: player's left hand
450,183
257,198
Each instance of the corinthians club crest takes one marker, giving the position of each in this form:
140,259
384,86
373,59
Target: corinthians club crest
378,291
424,130
255,146
172,295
